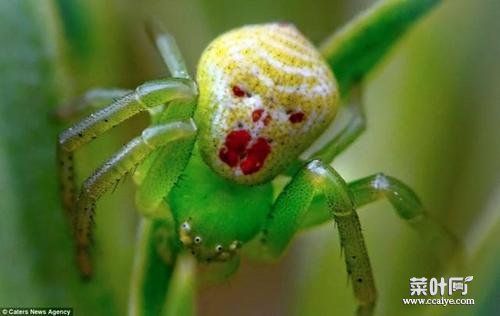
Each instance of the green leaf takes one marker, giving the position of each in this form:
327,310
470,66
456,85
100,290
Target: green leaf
37,266
354,50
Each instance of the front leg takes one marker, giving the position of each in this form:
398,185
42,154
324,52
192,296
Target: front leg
114,169
146,96
92,99
291,208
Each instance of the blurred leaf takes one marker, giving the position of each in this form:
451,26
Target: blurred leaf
74,20
37,254
354,50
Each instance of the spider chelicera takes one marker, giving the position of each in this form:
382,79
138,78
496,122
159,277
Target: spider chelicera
205,166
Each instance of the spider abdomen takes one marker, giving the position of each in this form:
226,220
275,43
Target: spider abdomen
265,95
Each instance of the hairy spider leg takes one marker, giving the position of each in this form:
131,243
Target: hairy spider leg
153,178
292,206
168,49
146,96
160,171
105,177
100,97
92,99
409,208
297,208
156,285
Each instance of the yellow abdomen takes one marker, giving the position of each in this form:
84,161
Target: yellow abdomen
265,96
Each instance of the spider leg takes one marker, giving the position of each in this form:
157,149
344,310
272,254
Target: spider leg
408,207
168,49
301,205
114,169
160,171
95,98
161,176
146,96
292,206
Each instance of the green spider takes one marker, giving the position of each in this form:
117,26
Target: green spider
205,167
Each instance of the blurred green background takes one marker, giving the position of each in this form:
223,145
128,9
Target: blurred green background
433,121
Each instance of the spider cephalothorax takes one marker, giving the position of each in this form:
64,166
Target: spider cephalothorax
265,93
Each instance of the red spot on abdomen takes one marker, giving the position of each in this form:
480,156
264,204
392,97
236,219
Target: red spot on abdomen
296,117
239,92
236,151
238,140
231,158
235,147
257,114
267,120
255,156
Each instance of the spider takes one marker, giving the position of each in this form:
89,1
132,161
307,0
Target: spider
205,166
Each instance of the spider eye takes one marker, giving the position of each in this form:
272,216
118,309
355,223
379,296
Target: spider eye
218,248
235,245
197,239
185,226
